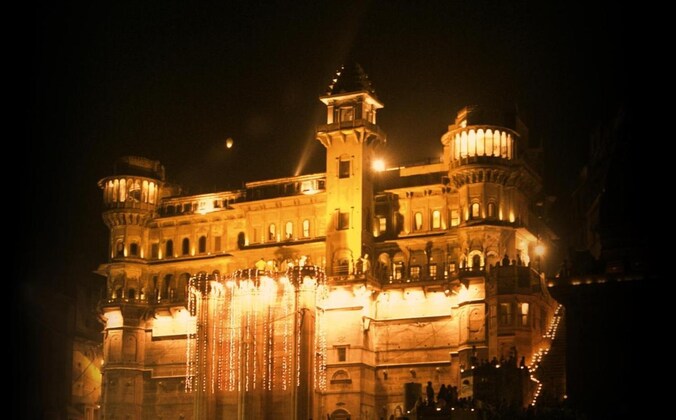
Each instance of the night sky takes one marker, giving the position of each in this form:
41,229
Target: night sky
171,81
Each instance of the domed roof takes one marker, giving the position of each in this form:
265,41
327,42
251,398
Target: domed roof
350,77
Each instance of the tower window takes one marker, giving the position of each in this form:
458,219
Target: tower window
306,228
344,169
417,221
475,211
119,249
436,219
169,249
288,230
272,232
491,209
133,249
343,221
202,244
185,246
346,114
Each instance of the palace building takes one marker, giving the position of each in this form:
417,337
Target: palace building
334,295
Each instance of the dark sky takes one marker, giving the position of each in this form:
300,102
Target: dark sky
171,81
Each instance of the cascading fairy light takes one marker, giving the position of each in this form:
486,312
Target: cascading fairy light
230,312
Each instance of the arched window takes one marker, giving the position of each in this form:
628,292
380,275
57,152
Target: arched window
133,249
306,228
169,249
123,190
144,191
436,219
185,246
288,230
491,209
272,232
475,211
417,221
119,249
151,193
202,244
476,262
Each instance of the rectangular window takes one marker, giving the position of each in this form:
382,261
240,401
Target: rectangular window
452,267
524,314
306,228
415,272
344,169
436,219
155,250
343,221
455,218
505,315
342,354
346,114
433,270
217,244
382,224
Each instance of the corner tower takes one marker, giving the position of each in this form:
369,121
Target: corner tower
351,137
130,198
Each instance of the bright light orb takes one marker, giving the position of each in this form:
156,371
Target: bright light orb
378,165
539,250
229,142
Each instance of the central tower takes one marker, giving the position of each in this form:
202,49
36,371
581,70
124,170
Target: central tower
351,138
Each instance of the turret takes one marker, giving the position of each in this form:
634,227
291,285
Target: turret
130,197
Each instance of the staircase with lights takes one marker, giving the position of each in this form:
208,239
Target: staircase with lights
548,365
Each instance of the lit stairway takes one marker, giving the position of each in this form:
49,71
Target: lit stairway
553,366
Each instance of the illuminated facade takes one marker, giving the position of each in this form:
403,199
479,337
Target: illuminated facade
330,294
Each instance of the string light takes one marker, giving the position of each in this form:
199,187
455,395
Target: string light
227,314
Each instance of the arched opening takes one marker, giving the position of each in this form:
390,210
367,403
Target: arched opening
131,294
133,249
164,289
202,244
491,210
306,228
272,232
119,249
340,414
169,249
288,230
475,211
123,191
185,246
342,262
475,260
417,221
241,240
182,286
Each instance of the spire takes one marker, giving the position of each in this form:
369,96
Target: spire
349,78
